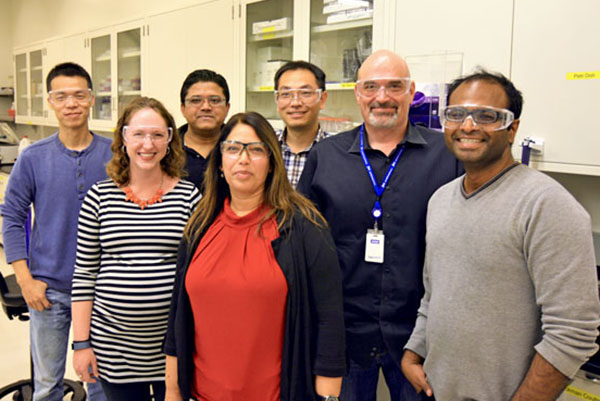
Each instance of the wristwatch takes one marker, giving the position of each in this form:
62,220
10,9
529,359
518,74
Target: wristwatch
329,398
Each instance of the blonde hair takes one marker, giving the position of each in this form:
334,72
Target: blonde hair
279,194
174,161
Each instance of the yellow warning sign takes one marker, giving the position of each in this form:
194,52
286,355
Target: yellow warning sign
583,75
581,394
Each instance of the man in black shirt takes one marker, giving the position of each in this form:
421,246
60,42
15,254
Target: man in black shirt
204,104
372,184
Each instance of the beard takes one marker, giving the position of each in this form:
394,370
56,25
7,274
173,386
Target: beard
384,120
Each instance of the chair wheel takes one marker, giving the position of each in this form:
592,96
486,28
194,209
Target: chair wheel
75,390
20,391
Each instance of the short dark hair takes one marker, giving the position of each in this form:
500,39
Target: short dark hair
204,76
69,70
301,65
515,98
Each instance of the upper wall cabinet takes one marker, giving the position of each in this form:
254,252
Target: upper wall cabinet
116,57
555,63
335,35
188,39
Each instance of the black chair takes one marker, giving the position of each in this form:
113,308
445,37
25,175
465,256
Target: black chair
14,306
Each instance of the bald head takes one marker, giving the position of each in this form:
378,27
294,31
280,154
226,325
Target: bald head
383,62
385,110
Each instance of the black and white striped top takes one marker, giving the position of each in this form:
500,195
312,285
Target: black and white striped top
126,265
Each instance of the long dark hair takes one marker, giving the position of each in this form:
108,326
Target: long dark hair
279,194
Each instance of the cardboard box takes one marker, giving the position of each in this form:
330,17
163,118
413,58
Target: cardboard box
344,6
275,25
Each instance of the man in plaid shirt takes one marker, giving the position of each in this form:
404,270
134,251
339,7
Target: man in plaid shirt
300,95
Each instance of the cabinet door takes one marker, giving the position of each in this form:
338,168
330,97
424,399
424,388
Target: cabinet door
268,37
129,64
36,86
341,38
443,39
555,64
101,59
22,84
178,43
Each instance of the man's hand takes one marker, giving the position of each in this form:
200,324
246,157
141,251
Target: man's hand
34,292
412,367
83,359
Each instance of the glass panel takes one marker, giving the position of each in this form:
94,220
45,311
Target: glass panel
269,36
129,66
341,35
21,71
432,72
101,78
36,88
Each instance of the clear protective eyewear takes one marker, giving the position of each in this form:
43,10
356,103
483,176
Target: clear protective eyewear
489,118
308,97
213,101
60,97
255,150
139,133
393,86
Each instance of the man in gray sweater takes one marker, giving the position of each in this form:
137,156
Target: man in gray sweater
511,307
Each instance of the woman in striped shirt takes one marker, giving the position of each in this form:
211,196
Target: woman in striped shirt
129,229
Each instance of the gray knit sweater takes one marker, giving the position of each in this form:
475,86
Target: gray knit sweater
509,270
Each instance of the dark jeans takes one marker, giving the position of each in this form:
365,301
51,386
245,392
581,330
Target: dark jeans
361,382
134,391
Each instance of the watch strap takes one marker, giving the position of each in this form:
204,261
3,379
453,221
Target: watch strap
77,345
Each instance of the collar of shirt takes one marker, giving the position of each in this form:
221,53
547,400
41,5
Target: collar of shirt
413,136
282,138
76,153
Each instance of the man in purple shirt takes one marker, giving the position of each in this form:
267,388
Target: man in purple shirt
53,175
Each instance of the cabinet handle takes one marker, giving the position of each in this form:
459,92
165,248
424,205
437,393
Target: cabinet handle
147,30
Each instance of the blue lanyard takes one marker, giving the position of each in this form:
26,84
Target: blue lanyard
379,189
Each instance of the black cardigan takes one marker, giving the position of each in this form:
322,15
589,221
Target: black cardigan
314,337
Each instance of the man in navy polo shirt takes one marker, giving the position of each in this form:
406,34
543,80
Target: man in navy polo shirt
372,184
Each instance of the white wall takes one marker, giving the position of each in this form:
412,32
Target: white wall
6,43
35,20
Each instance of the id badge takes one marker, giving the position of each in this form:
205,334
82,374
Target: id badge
374,246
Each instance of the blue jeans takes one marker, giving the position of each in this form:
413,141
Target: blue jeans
49,336
361,383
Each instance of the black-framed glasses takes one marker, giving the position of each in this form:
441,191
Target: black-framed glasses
213,101
255,150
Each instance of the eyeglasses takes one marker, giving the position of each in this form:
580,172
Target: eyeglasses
490,118
307,96
393,86
234,149
60,97
139,133
197,101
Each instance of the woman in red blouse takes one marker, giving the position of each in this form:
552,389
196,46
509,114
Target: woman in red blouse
256,313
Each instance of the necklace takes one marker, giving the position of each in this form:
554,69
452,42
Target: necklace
143,203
